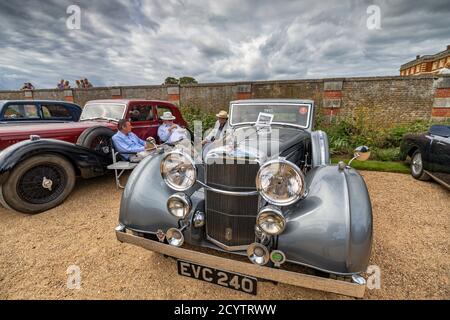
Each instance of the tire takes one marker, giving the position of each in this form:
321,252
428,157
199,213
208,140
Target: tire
97,138
417,167
24,190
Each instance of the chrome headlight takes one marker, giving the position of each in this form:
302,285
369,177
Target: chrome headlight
280,182
271,220
179,205
178,171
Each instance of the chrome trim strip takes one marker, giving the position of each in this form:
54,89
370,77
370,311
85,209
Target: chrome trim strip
230,193
247,268
145,126
212,155
225,247
445,184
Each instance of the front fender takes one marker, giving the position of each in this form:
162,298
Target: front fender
142,197
87,163
143,204
331,229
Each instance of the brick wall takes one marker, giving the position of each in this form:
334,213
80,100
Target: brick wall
388,100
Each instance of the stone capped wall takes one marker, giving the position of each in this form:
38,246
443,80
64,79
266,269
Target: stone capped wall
387,100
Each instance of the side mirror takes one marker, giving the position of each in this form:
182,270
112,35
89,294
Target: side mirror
362,153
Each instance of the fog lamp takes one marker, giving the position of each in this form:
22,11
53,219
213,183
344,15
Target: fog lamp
179,205
271,220
175,237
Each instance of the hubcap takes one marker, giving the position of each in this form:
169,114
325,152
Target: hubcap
47,183
101,144
416,164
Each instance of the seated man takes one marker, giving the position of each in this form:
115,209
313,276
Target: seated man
168,128
219,129
126,141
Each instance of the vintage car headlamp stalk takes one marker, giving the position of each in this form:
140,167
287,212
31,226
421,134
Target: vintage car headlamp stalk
179,205
271,220
178,171
280,182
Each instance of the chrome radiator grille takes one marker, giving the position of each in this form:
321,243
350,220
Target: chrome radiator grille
230,219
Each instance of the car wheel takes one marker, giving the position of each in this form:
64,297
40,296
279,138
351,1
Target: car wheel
417,167
38,184
97,138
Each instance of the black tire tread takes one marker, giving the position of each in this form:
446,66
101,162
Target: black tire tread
86,135
12,200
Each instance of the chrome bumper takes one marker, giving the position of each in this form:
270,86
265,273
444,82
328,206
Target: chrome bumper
277,275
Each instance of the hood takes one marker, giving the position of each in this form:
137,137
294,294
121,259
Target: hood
12,133
36,128
255,144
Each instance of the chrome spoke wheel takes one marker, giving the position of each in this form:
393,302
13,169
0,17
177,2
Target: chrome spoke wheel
416,164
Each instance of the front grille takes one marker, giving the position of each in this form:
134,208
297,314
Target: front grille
234,177
230,219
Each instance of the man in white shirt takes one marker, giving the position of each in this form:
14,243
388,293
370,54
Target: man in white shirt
169,131
219,129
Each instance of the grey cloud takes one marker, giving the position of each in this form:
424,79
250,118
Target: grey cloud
143,42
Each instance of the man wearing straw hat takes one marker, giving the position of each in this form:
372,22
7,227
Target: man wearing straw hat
169,131
219,129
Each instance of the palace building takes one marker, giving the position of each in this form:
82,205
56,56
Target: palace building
428,64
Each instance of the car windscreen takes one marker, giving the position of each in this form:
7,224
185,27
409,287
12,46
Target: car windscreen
288,113
103,110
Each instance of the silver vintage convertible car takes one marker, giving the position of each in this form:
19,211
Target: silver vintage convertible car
265,194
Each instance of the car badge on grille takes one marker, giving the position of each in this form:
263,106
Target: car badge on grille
228,234
161,235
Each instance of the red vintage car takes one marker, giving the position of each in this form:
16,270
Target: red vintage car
39,163
98,122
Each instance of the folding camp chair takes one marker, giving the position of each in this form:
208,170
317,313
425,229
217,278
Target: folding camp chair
120,166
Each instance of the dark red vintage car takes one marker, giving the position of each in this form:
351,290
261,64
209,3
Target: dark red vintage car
97,122
39,163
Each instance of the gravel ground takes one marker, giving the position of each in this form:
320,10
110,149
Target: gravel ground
411,248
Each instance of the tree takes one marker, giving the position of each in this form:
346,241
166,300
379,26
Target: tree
187,80
171,80
182,80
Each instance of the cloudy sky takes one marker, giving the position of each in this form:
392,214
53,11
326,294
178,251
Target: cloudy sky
137,42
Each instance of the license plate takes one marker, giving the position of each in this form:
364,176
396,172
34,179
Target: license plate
222,278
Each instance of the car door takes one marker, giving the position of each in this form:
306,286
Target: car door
143,120
17,112
440,152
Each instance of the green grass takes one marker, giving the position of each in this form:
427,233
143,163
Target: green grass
372,165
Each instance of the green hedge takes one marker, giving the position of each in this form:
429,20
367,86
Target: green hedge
344,134
192,113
